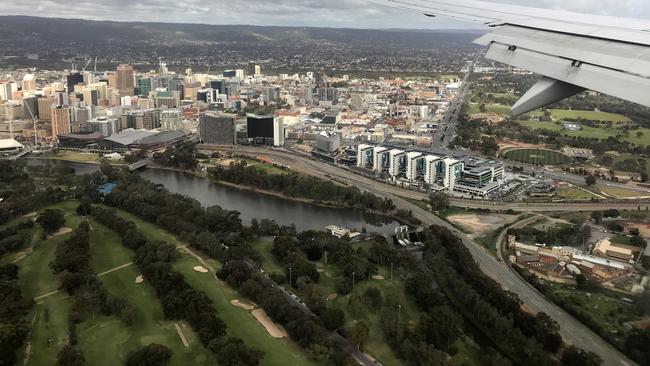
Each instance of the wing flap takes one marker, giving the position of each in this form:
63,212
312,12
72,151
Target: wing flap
629,58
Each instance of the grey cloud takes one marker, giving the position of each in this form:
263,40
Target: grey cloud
323,13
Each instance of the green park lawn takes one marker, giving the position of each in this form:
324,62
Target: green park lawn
600,133
589,115
619,192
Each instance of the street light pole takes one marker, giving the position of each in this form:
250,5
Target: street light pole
290,282
399,313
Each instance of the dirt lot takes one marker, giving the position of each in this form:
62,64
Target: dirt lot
481,224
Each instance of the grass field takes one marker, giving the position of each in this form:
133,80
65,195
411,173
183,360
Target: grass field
602,132
574,193
620,192
537,156
589,115
72,156
150,326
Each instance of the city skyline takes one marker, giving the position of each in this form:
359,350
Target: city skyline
333,14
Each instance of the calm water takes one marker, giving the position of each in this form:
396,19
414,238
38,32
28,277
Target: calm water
250,204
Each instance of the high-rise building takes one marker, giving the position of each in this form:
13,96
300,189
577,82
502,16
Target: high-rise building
251,68
328,95
125,80
45,108
151,119
104,125
217,128
29,82
218,85
60,120
73,79
171,120
7,90
91,97
268,130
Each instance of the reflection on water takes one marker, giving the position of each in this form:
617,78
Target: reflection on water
253,205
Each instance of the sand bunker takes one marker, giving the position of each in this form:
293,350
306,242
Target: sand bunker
377,277
274,330
139,279
61,231
201,269
331,296
242,305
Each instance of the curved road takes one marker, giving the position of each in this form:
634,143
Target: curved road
571,329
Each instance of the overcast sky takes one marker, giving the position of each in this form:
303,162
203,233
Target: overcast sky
321,13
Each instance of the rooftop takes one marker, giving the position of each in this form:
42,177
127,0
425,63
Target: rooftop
129,136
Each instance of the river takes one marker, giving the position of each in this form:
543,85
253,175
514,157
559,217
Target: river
250,204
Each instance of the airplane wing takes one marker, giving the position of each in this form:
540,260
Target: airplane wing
572,51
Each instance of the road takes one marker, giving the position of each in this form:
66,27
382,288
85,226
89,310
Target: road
360,357
447,127
572,331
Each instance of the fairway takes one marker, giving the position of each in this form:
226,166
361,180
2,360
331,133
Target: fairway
537,156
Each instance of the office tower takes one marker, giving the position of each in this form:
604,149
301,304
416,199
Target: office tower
104,125
328,95
7,90
146,85
44,108
251,68
60,116
266,130
229,73
171,120
73,79
125,80
91,97
217,129
151,119
273,95
191,90
29,82
61,99
218,85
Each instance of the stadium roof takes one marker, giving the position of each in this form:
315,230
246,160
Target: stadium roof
78,136
130,136
162,137
10,144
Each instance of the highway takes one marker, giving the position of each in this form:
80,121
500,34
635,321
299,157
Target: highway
572,331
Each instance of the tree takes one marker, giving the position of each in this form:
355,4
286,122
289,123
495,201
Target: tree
597,216
69,356
233,352
51,220
107,169
358,334
441,326
150,355
590,180
574,356
638,242
438,201
372,298
85,207
333,318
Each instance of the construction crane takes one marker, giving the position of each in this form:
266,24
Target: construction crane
87,63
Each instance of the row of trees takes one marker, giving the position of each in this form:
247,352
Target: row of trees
181,156
72,261
297,185
14,310
179,300
15,237
304,329
496,312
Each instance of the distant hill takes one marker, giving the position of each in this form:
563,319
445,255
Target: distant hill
53,31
